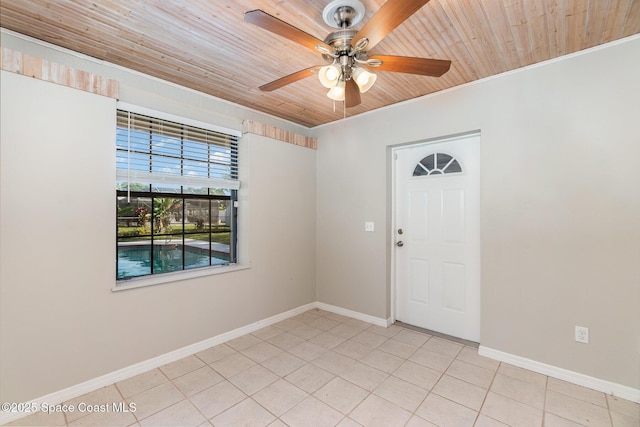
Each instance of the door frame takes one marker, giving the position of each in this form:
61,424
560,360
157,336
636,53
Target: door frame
394,209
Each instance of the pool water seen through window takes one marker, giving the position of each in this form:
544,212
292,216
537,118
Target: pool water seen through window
175,196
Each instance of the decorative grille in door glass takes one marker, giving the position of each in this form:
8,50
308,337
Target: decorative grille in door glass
437,164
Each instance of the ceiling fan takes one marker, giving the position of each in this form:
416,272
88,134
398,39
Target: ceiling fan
346,50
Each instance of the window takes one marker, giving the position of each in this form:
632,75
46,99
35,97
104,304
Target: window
437,164
176,188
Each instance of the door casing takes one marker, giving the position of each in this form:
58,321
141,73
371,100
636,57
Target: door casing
394,209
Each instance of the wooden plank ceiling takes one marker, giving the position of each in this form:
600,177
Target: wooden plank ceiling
206,45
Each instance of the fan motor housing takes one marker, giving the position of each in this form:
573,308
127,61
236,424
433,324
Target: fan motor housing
341,40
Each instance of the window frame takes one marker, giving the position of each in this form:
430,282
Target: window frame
184,273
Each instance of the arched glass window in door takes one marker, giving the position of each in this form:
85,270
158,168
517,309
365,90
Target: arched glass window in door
437,164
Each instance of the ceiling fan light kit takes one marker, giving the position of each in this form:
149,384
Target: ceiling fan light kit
329,75
364,79
337,93
347,74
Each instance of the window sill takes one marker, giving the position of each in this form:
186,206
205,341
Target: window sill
177,276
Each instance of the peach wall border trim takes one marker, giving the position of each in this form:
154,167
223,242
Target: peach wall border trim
250,126
42,69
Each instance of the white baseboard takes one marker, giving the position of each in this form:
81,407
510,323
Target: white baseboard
354,314
139,368
72,392
608,387
77,390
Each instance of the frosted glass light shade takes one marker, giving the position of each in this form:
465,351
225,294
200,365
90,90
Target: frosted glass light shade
337,92
364,79
329,75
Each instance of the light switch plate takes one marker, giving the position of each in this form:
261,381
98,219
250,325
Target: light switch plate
369,226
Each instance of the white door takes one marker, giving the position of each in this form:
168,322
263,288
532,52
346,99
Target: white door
437,236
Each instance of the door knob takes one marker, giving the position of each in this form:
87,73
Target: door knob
400,244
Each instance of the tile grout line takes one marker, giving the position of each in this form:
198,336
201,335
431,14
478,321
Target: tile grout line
125,401
465,343
493,378
139,420
183,393
368,341
260,364
309,362
544,403
370,393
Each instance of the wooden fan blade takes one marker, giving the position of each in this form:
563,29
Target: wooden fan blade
388,17
405,64
351,94
291,78
270,23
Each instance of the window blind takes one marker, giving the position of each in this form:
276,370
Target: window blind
151,150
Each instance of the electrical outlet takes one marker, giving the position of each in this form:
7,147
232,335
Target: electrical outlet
582,334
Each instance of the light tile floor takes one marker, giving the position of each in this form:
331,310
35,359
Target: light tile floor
324,369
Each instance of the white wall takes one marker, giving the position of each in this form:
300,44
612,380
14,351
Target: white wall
60,323
560,208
